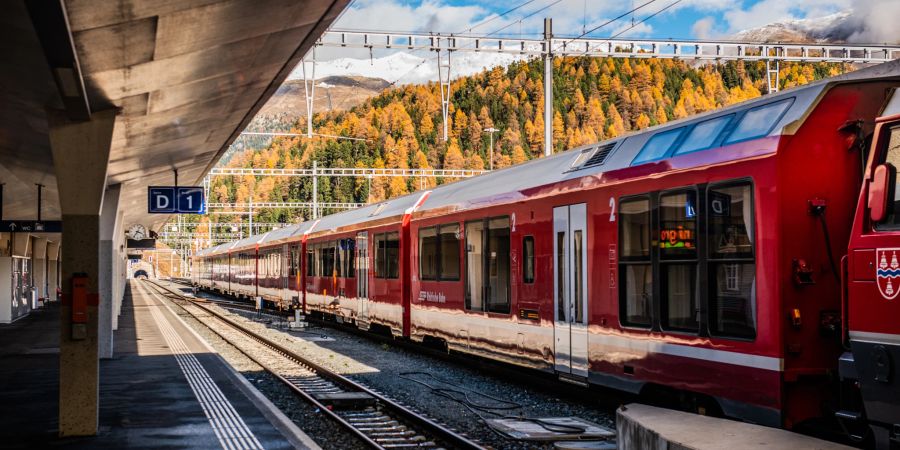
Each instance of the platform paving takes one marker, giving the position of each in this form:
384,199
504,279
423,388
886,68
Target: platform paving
643,427
150,391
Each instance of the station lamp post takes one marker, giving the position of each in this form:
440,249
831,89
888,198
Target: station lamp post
491,132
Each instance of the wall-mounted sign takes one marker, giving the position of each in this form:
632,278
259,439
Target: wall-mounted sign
140,243
31,226
175,199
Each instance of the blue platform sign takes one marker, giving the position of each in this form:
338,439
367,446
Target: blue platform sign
172,199
190,200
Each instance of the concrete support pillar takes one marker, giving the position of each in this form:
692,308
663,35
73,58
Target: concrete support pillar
52,270
110,227
81,158
39,266
120,265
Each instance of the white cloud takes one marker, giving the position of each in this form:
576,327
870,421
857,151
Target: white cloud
705,28
870,20
874,21
760,14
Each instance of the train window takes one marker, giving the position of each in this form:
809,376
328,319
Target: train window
294,262
379,255
487,265
428,253
348,261
892,157
338,258
678,225
474,265
732,269
449,252
392,255
498,265
528,259
439,253
310,262
759,121
328,259
561,276
635,264
657,146
703,135
578,269
678,260
634,232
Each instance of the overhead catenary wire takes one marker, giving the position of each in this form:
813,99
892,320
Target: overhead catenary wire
492,33
635,24
493,18
626,13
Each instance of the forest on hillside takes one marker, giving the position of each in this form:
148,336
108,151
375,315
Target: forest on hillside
594,99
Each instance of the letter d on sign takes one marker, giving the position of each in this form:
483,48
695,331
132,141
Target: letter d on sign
162,202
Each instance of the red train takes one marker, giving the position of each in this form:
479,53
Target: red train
704,260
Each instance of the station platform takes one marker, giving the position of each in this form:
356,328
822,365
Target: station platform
164,387
643,427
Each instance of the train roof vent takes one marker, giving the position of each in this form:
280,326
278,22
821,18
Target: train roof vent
599,156
378,209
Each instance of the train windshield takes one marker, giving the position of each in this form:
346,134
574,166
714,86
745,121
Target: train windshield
657,146
703,135
759,121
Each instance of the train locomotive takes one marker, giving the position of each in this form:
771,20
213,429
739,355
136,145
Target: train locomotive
743,261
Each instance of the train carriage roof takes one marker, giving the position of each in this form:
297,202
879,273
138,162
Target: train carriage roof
508,184
282,234
249,242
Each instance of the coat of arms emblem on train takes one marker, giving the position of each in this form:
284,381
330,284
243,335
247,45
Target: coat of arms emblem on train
888,272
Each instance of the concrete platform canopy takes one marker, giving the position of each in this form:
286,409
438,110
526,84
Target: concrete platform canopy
184,78
102,99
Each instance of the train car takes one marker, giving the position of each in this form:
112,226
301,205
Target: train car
212,267
361,257
278,267
697,261
636,263
243,260
871,271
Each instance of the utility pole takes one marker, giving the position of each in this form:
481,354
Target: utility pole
310,93
250,228
491,132
548,87
444,81
315,196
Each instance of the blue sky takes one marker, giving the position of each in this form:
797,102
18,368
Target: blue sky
861,21
696,19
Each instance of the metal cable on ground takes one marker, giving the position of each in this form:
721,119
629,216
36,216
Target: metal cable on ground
478,409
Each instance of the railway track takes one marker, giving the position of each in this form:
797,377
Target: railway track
522,375
375,419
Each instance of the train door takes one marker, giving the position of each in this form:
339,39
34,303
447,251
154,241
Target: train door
570,289
362,279
872,282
